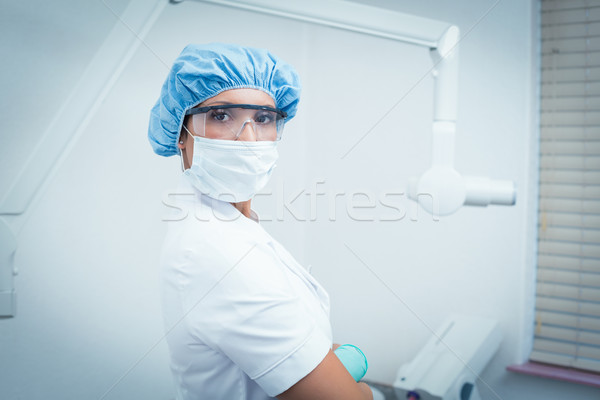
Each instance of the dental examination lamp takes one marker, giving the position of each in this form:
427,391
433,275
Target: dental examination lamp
448,367
441,190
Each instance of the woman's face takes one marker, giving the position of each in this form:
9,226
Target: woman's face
233,96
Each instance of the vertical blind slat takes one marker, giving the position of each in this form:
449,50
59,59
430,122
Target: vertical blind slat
572,103
565,31
580,59
573,133
568,262
569,16
554,5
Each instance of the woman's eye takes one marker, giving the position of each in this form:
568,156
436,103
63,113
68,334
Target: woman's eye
264,118
219,115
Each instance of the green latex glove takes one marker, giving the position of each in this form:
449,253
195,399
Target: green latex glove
353,359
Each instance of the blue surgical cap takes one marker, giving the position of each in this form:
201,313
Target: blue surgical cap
203,71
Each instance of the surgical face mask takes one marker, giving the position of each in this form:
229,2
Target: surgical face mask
231,170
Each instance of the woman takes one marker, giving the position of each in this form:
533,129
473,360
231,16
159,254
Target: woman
244,320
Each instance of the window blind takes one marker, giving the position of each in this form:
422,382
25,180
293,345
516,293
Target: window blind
567,330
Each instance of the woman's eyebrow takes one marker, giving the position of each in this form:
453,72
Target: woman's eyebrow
215,103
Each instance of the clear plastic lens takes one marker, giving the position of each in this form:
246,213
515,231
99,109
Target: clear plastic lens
232,123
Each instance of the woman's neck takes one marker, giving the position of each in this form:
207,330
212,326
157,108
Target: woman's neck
243,207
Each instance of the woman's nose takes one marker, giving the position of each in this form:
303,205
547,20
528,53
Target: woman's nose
248,132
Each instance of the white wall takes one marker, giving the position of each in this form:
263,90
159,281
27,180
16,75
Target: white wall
88,292
46,47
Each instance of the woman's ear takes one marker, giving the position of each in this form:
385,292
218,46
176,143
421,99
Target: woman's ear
181,142
182,135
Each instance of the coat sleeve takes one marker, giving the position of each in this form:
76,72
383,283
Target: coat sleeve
245,306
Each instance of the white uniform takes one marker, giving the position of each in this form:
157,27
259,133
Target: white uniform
244,320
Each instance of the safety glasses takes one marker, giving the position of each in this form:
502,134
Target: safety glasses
229,121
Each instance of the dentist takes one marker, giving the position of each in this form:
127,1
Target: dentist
244,320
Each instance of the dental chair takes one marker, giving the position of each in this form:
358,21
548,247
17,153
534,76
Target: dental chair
449,365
